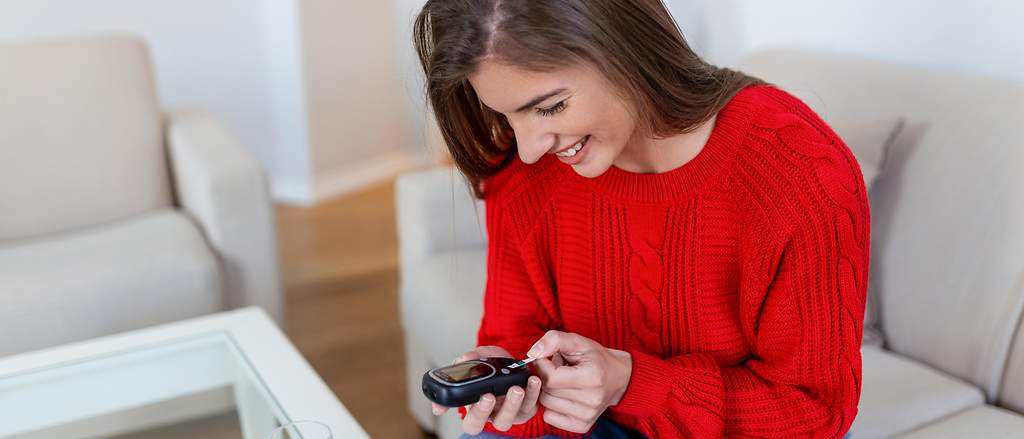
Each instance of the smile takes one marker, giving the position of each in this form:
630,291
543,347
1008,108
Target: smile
571,151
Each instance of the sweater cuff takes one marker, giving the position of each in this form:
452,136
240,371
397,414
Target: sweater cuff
649,384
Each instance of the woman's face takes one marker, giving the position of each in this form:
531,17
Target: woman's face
559,111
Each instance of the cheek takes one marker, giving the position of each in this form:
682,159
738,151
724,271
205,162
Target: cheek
579,125
613,135
615,125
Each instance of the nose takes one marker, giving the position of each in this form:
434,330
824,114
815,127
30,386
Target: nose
533,141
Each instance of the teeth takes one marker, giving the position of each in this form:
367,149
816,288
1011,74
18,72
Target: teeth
571,151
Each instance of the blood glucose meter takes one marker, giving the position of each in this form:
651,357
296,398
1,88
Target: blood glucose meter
463,383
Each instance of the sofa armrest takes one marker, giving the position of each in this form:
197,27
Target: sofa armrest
226,191
437,213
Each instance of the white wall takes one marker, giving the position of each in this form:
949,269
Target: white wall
360,128
237,58
421,133
327,94
983,37
314,88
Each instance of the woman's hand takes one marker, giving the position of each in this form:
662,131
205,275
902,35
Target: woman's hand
516,407
581,380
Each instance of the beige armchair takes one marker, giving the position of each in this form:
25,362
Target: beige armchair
114,216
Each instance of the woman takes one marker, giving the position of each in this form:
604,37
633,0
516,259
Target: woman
683,247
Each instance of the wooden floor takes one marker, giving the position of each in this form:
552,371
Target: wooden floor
340,268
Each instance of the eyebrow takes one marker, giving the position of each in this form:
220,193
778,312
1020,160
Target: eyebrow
540,99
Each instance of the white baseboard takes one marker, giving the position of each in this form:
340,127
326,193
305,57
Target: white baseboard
346,179
363,173
294,191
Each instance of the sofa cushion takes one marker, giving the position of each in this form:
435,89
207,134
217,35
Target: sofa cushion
442,303
945,235
868,137
80,135
151,269
869,140
979,422
899,394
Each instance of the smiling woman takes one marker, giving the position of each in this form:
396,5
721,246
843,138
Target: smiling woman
683,249
497,71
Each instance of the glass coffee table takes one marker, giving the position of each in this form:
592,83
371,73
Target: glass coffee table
235,368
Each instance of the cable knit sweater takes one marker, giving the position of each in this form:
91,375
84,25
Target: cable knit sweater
736,281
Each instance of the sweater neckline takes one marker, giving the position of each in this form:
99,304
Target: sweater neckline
685,181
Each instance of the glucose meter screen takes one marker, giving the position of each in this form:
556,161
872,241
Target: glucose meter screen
462,372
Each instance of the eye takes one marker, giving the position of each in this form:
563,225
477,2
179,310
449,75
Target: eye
557,108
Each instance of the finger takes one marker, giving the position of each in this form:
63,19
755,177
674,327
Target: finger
544,368
585,397
558,341
559,377
529,406
509,408
568,407
478,414
438,409
558,359
565,422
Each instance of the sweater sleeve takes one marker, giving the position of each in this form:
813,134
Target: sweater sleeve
802,291
519,304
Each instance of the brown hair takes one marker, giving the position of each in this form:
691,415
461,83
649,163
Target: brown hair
635,43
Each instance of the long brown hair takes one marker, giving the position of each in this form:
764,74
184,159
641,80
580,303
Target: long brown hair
635,43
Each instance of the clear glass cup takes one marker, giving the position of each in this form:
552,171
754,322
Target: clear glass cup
302,430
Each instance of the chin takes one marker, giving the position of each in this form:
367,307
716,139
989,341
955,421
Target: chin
590,170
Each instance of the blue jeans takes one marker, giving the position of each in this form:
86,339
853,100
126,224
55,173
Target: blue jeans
604,428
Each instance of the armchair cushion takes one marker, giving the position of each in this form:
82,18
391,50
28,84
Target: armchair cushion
151,269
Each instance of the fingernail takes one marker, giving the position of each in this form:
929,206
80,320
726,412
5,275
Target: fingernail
435,410
516,392
534,381
536,350
486,402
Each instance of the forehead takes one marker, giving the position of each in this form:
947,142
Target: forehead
504,87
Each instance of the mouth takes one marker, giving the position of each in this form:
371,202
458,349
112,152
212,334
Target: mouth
571,150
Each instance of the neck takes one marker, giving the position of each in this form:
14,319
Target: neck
645,155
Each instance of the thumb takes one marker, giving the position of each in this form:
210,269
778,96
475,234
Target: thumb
471,355
558,342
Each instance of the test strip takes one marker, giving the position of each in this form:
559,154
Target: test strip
521,363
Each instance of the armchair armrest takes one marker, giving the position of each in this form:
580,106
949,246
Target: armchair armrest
436,213
226,191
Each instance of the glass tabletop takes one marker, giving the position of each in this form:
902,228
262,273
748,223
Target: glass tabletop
219,377
201,384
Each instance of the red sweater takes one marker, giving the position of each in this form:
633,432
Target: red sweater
736,281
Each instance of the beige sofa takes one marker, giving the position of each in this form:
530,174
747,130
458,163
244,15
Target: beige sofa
947,278
113,215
